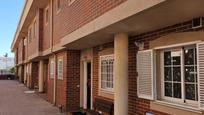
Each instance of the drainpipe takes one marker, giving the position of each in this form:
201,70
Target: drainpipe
51,49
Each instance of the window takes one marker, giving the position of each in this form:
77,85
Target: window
60,69
24,41
30,34
46,16
106,72
180,75
70,1
52,69
58,5
35,29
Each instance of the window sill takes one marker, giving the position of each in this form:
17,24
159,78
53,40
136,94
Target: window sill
60,78
179,106
58,11
105,93
70,3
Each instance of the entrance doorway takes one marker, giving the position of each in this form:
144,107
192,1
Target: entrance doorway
45,76
87,85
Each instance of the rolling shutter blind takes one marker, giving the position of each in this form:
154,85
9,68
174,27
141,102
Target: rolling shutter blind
145,79
200,63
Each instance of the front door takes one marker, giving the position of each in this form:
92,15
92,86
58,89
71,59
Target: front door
45,75
88,85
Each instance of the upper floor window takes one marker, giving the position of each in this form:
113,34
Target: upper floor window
106,72
46,15
58,5
30,34
24,41
35,29
70,1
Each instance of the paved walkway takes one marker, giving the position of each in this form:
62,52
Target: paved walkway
14,101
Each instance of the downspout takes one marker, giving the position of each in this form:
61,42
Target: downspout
51,44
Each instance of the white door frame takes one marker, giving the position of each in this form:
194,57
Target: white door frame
85,84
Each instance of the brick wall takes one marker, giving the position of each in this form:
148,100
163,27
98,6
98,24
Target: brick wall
136,105
62,83
67,90
33,43
73,80
81,12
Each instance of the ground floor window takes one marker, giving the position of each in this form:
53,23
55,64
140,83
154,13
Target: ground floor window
52,69
179,74
60,69
106,72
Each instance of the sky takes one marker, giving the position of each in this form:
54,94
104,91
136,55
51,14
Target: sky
10,11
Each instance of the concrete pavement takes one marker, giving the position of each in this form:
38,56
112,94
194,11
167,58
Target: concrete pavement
14,101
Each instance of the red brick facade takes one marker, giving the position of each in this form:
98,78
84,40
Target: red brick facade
65,21
79,13
62,83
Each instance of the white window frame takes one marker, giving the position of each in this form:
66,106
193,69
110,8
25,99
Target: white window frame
46,15
25,41
58,6
52,69
105,57
171,99
35,28
30,34
60,71
70,2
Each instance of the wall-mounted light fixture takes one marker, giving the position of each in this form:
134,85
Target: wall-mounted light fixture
140,45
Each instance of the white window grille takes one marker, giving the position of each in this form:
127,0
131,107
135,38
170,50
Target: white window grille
52,69
60,69
106,72
179,75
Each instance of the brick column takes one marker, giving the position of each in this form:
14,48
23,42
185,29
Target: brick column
121,74
73,80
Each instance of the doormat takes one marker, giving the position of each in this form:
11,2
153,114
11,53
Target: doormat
29,92
78,113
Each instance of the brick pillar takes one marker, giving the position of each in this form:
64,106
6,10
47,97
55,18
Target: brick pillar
121,74
73,80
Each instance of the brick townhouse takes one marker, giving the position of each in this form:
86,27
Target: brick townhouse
144,56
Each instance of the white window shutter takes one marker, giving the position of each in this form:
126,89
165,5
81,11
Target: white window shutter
146,74
200,70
